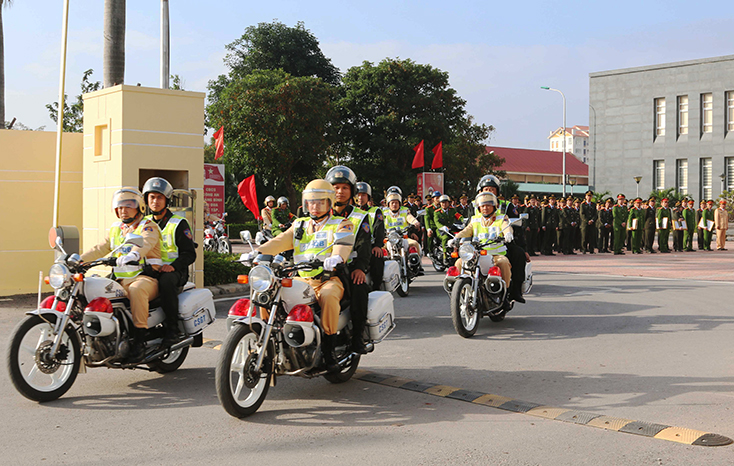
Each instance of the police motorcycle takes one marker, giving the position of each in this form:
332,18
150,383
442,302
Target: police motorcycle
216,238
407,258
437,254
277,331
478,290
88,323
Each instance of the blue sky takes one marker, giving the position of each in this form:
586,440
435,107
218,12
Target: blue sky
497,54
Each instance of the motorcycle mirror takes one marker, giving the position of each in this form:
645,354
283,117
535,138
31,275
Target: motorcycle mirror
135,240
524,216
420,213
224,215
344,239
246,236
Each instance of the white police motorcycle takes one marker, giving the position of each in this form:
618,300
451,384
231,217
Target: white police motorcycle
87,323
277,331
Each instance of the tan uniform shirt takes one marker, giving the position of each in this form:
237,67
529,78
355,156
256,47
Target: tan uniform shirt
721,219
266,214
151,248
284,241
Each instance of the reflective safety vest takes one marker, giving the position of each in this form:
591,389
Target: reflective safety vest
481,233
311,244
399,220
357,217
169,249
117,238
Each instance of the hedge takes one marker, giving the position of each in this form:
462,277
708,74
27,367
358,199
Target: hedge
235,228
221,269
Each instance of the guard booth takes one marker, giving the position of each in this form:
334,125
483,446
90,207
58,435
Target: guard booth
133,133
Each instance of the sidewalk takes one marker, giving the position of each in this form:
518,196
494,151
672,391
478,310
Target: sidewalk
697,265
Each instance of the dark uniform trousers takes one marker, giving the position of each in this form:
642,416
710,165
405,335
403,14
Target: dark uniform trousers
377,271
359,297
588,238
168,289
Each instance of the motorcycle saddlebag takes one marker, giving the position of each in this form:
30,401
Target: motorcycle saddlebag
196,310
380,314
391,277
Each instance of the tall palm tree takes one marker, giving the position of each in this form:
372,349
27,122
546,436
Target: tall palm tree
3,4
114,43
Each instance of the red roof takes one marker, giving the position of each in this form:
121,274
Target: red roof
543,162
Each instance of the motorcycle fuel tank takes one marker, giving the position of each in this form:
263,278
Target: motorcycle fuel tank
299,293
100,287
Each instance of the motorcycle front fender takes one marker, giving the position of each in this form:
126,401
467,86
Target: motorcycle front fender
251,321
57,315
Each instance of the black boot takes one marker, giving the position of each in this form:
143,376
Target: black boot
357,339
327,349
137,344
173,334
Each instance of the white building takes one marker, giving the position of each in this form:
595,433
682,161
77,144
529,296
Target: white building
577,141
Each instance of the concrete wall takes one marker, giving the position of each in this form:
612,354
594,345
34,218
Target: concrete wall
27,193
159,133
623,117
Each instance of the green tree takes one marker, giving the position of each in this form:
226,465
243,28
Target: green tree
469,159
3,4
273,46
276,126
74,113
671,194
387,109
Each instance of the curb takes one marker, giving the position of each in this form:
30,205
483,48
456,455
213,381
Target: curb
230,289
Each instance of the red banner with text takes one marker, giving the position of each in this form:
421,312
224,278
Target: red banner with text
214,188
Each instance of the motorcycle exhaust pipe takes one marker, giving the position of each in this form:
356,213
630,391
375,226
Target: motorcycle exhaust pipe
181,344
494,284
414,260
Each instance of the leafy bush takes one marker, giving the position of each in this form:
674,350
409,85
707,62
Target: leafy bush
235,228
221,269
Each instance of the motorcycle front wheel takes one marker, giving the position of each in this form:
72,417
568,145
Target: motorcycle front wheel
225,247
35,373
240,389
437,260
463,315
404,285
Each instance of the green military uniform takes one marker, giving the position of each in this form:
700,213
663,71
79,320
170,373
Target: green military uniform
430,210
699,216
568,223
706,215
445,218
677,216
281,217
689,215
637,233
588,226
663,231
619,216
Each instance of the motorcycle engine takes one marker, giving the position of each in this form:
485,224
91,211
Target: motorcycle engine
101,348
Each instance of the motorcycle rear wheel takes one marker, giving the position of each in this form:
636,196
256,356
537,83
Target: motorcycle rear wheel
29,343
404,284
172,362
437,260
233,373
348,371
464,318
224,246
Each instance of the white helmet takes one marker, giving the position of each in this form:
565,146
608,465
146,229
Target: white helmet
127,197
268,199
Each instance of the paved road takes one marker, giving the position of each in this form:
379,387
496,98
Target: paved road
651,349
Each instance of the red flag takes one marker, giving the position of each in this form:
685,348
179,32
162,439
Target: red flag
418,159
246,190
219,143
437,156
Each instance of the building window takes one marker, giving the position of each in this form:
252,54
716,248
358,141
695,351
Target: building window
707,113
658,175
730,111
660,116
729,174
681,170
682,114
706,171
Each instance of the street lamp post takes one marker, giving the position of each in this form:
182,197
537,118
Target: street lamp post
564,135
593,177
637,180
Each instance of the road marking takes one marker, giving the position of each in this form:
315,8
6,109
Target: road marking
630,426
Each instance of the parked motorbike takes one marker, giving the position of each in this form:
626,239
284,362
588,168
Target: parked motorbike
278,332
216,238
437,253
88,323
478,289
408,258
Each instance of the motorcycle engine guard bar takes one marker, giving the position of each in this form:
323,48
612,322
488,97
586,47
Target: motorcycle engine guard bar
265,334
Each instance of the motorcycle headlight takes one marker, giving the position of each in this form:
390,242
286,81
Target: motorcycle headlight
466,252
59,276
394,238
261,279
